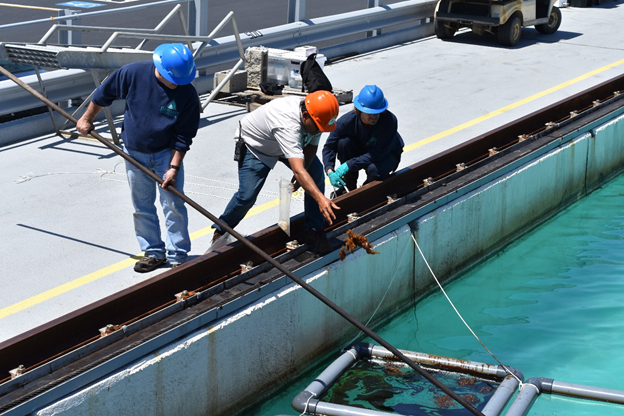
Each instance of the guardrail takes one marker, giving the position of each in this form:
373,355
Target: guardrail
225,50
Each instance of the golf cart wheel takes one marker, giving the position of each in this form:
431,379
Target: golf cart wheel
509,33
442,31
554,21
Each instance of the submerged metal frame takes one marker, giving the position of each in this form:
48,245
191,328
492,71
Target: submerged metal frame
307,401
526,397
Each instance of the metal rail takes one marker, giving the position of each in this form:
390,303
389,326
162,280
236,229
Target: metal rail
81,327
223,50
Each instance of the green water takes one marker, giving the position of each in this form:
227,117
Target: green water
551,305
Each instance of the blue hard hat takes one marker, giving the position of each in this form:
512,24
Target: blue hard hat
174,62
371,100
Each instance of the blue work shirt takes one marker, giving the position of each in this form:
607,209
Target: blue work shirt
156,117
374,143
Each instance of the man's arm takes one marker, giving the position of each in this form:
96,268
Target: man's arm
85,124
303,178
309,152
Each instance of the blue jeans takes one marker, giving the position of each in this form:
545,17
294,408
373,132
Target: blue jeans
252,174
143,193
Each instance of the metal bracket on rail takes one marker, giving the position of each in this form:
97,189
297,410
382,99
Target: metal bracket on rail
352,217
185,294
292,245
245,267
108,329
16,372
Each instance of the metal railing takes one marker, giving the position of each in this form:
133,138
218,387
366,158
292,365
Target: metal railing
215,53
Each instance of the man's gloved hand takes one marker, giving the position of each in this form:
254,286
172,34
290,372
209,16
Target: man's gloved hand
342,170
335,180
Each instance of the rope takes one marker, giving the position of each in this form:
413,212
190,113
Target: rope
460,317
305,409
384,296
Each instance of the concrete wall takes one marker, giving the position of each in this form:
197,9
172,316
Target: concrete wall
222,368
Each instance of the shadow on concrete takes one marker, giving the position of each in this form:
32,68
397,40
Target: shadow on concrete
75,239
530,36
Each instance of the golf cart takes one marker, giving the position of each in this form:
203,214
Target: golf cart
503,18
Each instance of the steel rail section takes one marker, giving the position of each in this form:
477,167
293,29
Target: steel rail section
216,281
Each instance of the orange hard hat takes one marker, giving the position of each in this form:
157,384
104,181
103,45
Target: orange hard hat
323,108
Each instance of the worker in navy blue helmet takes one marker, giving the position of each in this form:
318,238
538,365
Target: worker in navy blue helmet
366,138
161,119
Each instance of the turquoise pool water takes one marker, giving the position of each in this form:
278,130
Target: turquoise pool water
551,305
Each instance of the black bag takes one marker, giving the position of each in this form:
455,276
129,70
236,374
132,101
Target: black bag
312,76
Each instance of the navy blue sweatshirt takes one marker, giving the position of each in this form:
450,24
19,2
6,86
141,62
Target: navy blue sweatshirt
156,117
374,143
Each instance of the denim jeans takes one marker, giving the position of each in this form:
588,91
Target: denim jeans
146,224
252,174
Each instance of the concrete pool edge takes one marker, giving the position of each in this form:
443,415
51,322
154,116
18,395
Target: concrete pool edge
221,379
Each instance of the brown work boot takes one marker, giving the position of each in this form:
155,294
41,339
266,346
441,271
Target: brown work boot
147,264
318,241
217,235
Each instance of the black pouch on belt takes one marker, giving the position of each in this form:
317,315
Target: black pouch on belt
239,148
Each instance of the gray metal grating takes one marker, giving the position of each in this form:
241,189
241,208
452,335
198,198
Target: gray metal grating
37,57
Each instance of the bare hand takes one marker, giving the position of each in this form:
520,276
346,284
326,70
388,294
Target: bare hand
84,126
170,179
327,209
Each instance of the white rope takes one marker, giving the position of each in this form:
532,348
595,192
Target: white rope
384,296
460,317
523,385
305,409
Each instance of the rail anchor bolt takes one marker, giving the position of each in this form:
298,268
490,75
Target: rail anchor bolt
245,267
107,330
16,372
352,217
291,245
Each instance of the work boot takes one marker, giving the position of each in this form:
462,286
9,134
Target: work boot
216,236
147,264
318,241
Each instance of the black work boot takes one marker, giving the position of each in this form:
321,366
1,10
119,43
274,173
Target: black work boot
147,264
318,241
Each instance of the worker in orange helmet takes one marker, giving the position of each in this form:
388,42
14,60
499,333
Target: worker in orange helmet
285,130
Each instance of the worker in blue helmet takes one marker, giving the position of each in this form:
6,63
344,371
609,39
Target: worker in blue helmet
366,138
161,119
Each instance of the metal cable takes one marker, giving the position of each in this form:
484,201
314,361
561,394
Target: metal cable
460,316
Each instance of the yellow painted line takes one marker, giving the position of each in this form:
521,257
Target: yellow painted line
20,6
34,300
508,108
59,290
